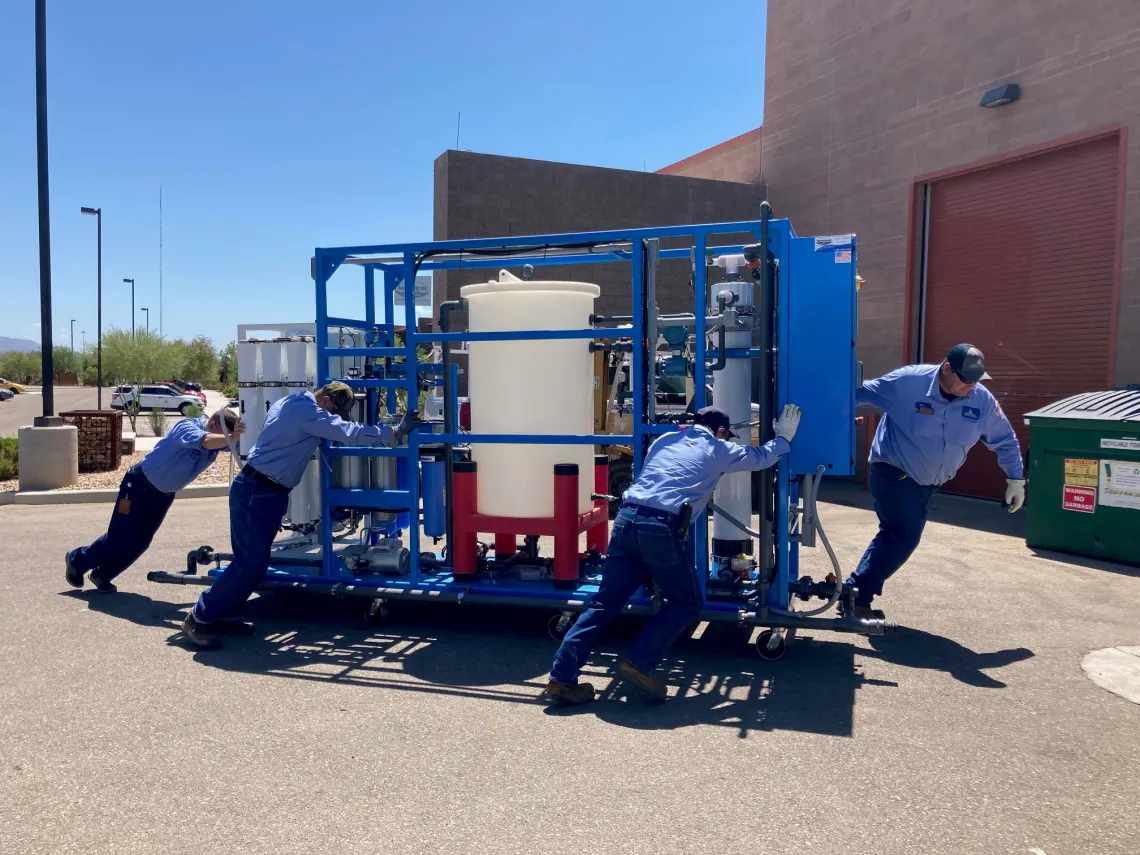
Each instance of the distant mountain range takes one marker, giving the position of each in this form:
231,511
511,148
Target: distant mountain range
23,344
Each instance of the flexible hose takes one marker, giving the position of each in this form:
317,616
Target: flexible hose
220,418
826,545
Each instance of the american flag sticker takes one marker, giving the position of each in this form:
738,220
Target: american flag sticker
842,256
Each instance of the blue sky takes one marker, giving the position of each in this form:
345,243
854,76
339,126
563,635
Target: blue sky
274,126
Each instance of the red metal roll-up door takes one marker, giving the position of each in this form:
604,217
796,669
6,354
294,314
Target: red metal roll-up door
1020,262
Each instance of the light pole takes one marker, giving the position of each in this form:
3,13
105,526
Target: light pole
97,213
84,334
73,335
132,281
145,309
49,418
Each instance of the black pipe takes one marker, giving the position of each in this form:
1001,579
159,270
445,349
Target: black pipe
764,312
445,310
722,347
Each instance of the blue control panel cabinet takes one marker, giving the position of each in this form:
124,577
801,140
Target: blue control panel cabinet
817,351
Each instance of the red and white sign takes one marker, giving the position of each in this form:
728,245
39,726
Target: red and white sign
1081,499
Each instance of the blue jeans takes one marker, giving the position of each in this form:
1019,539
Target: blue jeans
256,510
640,545
138,514
902,506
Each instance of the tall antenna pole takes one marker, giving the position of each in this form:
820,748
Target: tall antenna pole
458,120
160,261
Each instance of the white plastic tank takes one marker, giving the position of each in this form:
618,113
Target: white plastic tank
250,393
300,364
530,387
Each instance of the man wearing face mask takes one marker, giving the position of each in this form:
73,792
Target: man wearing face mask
932,416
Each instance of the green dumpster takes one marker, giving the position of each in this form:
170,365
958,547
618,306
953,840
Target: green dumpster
1084,476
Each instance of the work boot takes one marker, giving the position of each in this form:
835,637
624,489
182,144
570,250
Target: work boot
866,613
567,693
101,585
200,635
233,628
650,686
73,576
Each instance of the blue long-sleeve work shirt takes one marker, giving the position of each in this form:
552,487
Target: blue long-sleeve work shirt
294,427
178,458
927,436
685,466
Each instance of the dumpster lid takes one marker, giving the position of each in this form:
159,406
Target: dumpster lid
1116,405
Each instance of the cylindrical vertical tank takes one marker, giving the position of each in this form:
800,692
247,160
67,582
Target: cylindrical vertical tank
382,476
300,364
249,393
529,387
351,473
272,373
732,393
432,491
305,498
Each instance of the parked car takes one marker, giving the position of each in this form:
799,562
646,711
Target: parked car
17,388
186,388
154,397
5,394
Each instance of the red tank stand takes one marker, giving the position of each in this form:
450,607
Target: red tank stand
564,526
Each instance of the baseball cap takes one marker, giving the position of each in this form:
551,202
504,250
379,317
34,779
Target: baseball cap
341,395
968,363
714,419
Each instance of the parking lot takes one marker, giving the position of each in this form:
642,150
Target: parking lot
22,409
973,730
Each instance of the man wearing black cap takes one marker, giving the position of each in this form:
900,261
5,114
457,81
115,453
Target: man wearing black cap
932,416
676,481
259,495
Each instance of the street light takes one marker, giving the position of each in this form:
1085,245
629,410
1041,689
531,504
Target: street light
132,281
98,214
145,309
73,335
84,334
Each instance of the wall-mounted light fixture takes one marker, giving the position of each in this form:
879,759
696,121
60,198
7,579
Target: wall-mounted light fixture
999,96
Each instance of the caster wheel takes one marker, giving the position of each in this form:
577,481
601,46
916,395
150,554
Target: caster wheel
771,646
377,613
559,625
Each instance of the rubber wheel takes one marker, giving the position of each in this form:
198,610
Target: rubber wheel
184,407
376,614
770,653
620,480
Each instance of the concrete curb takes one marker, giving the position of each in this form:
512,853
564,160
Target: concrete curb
81,497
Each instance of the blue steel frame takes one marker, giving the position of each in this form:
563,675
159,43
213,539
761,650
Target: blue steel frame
434,577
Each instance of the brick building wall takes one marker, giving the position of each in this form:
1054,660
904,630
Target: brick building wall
482,195
737,159
863,97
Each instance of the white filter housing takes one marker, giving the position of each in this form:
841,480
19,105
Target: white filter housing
300,365
272,374
305,498
250,393
732,393
530,387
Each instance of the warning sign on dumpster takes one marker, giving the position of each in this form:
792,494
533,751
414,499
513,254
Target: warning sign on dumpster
1120,483
1080,472
1081,499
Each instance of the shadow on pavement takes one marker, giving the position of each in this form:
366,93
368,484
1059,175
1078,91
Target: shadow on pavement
914,648
1089,563
505,654
976,514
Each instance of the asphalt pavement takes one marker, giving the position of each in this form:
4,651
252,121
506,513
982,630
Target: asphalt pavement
973,730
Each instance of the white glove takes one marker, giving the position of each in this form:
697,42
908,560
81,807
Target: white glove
1015,494
788,422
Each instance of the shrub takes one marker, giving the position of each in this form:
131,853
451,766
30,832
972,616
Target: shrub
9,457
90,376
193,411
131,409
157,420
230,391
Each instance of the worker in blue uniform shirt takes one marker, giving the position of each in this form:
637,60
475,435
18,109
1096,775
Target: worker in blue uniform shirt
648,539
145,495
932,416
259,496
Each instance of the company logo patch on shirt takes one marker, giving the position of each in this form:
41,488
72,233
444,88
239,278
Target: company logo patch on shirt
923,408
971,413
